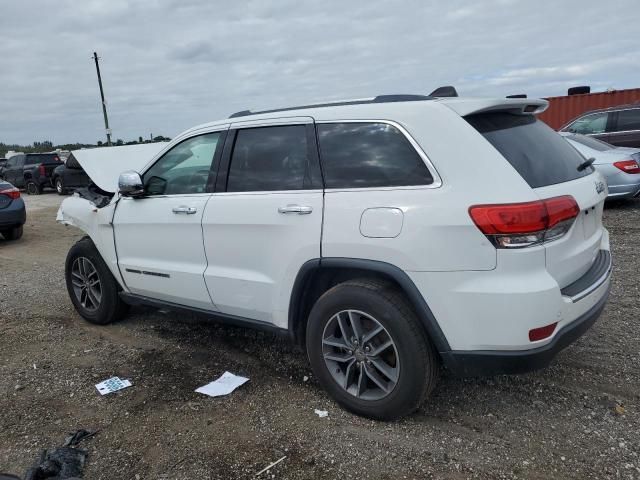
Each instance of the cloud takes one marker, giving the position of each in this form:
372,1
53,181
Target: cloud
170,64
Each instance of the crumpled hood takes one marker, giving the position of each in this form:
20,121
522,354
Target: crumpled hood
104,165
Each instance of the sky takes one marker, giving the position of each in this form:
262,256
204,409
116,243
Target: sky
168,65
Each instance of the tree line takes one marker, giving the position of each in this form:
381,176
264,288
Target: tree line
47,145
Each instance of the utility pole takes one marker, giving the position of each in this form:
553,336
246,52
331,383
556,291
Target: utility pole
104,104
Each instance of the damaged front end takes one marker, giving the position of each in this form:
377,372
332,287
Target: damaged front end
91,210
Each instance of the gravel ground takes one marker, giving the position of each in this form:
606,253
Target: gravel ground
577,419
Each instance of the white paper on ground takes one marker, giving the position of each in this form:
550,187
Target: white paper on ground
224,385
321,413
112,384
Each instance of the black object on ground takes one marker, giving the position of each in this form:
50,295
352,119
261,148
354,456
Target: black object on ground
76,437
64,463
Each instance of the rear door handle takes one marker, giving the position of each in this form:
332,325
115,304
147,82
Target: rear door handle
299,209
186,210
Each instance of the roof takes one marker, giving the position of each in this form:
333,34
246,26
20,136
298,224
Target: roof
391,108
342,103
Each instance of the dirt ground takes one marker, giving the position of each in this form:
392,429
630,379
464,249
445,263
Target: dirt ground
578,419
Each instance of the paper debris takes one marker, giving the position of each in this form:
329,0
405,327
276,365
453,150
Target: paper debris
321,413
112,385
224,385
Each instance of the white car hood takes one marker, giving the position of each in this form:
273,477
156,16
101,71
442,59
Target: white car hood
104,165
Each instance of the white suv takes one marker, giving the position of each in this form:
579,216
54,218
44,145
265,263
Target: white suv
389,236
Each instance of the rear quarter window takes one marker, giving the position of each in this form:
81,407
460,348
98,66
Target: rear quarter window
369,155
539,154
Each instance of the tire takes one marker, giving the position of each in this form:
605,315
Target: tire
84,260
12,233
33,188
414,362
57,183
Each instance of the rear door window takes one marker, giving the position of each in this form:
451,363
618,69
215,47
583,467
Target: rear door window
271,159
540,155
590,124
628,120
366,155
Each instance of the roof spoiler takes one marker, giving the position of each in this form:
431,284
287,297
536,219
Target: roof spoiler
516,106
446,91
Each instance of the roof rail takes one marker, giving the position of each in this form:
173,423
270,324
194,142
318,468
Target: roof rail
378,99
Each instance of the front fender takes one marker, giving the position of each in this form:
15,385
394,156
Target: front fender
97,223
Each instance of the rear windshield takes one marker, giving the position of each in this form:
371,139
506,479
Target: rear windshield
591,142
42,158
540,155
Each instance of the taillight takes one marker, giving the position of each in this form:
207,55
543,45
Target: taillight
42,171
628,166
12,193
517,225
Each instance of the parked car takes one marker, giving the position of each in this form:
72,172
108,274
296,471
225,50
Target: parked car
620,166
3,162
12,212
615,125
388,236
69,176
31,171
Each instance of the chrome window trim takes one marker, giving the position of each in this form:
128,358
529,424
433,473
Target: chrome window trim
272,122
611,133
437,180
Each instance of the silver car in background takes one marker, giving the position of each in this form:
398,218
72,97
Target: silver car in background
619,165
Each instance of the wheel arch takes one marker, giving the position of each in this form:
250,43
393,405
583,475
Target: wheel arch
318,275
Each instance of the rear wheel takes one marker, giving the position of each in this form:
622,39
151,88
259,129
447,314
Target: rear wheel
33,188
368,350
92,288
59,186
12,233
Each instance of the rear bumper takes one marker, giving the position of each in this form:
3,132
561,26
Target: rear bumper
485,363
14,215
621,185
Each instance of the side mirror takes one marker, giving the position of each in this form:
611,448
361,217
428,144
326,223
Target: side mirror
130,184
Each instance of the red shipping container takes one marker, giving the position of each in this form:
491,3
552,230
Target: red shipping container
563,109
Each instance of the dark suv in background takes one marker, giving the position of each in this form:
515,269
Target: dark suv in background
615,125
69,176
31,171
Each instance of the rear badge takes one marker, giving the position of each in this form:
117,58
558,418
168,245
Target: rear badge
600,187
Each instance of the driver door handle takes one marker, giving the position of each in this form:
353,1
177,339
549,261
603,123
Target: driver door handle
186,210
299,209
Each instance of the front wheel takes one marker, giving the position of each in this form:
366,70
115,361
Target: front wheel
33,188
369,351
92,288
